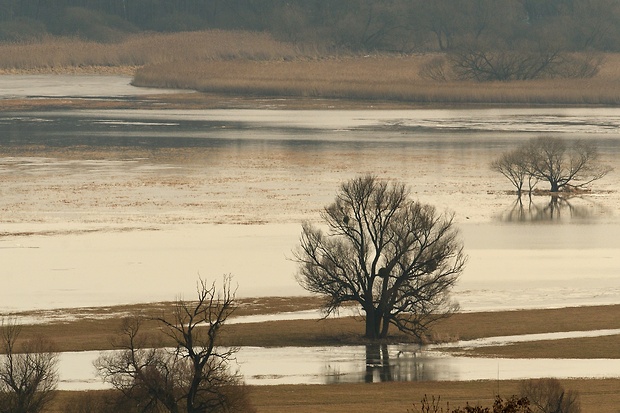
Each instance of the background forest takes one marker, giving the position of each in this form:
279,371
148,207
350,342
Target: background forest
403,26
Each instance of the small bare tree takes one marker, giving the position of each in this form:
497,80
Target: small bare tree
564,166
395,257
514,165
195,376
551,160
28,375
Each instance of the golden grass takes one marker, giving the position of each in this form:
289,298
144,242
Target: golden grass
597,396
238,63
74,55
577,348
393,78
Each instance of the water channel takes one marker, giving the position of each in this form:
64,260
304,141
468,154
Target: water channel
119,206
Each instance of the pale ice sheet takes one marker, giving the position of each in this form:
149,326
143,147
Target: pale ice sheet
22,86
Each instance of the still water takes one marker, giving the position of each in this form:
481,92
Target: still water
108,207
359,364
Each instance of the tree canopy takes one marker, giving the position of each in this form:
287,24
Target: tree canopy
388,25
397,258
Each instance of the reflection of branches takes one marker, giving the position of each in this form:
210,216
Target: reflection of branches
557,209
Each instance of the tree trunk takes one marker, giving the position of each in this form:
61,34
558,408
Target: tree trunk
385,326
373,323
554,186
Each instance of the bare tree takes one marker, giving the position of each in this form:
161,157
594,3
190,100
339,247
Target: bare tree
396,258
514,165
564,166
195,376
28,376
551,160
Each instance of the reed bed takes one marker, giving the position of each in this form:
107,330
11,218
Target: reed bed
391,78
141,49
240,63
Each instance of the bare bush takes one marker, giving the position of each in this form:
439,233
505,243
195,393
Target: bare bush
548,396
482,64
436,69
472,63
566,167
513,404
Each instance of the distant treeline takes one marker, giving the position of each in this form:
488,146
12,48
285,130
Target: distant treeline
361,25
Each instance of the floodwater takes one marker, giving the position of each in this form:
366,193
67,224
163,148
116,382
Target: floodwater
123,206
375,363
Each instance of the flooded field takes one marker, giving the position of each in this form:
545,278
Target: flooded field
370,364
110,207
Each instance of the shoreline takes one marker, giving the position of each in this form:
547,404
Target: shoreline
193,98
90,328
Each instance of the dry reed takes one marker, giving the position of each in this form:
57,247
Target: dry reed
597,396
146,48
375,78
240,63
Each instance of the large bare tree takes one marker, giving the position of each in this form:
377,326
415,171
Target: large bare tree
192,377
28,372
395,257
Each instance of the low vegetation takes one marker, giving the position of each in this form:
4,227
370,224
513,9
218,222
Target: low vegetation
246,64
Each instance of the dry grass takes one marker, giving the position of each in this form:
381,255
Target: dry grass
93,329
597,396
74,55
575,348
238,63
375,78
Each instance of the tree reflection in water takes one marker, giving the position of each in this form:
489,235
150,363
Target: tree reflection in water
558,208
405,363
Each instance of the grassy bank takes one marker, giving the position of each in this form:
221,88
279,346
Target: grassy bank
597,396
254,65
93,329
383,78
70,55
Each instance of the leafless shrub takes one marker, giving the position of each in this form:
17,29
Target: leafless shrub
436,69
579,66
549,396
